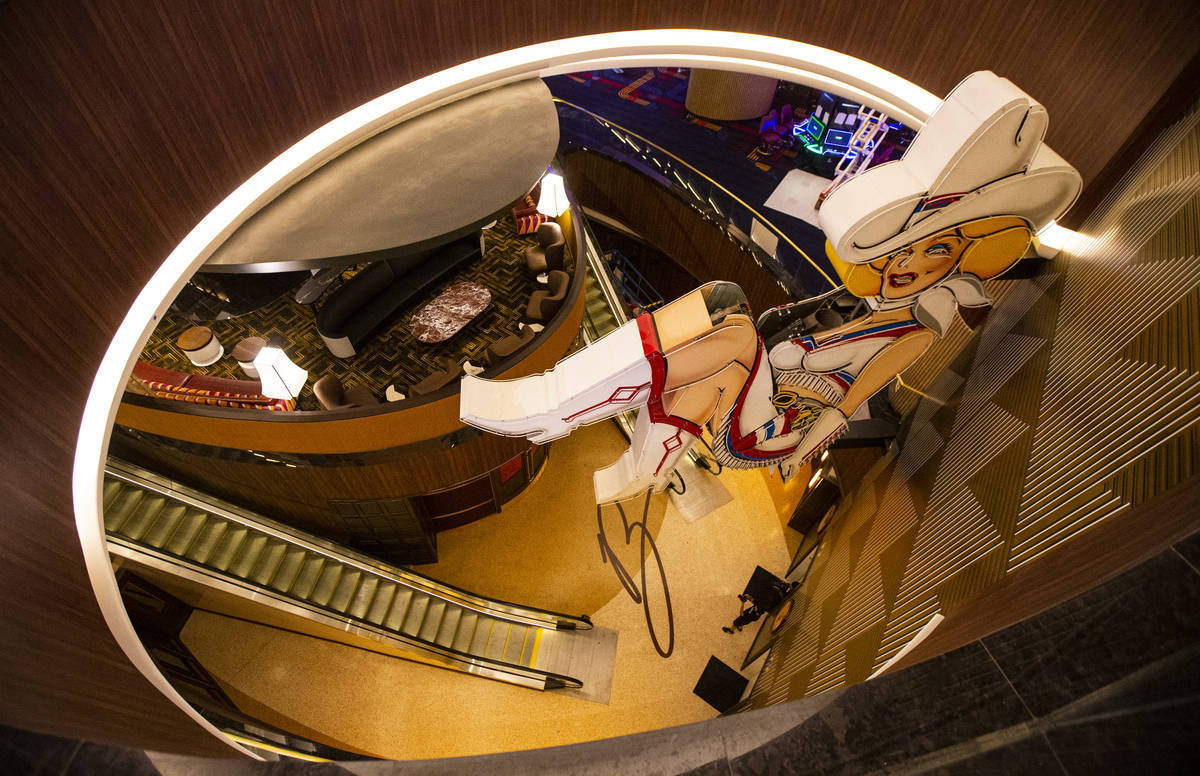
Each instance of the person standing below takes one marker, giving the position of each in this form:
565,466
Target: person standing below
745,616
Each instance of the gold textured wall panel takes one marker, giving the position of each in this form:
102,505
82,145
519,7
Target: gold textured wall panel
1076,402
726,96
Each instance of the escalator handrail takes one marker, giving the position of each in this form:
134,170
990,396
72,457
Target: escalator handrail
503,610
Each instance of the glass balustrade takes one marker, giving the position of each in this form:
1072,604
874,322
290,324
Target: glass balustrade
801,274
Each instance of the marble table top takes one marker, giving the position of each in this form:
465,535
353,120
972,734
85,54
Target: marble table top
449,312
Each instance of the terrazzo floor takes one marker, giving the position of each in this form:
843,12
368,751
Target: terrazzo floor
541,550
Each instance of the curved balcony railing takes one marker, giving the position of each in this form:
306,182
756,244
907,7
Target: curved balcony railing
799,272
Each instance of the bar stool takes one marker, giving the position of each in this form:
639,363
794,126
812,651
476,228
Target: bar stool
245,351
200,345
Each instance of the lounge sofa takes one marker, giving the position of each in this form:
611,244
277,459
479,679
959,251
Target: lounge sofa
503,348
548,253
373,299
335,396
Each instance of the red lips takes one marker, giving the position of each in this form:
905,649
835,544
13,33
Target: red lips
903,279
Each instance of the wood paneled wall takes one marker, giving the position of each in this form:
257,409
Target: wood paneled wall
126,121
669,224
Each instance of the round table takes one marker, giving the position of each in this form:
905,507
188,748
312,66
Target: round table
245,351
200,345
449,312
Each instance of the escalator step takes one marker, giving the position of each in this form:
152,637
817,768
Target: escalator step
327,584
381,602
499,641
189,531
143,517
399,610
450,621
433,620
362,599
227,548
168,522
112,489
466,631
483,632
527,651
306,580
248,555
416,614
347,586
289,569
517,637
210,537
268,562
546,652
118,514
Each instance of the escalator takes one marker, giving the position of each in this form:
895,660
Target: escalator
599,309
164,526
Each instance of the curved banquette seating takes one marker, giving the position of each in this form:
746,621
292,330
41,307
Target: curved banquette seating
373,299
204,389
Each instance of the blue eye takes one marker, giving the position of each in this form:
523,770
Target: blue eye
941,249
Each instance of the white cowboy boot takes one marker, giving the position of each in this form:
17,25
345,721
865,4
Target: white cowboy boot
653,454
826,430
608,377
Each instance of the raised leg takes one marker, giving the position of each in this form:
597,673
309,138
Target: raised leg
653,454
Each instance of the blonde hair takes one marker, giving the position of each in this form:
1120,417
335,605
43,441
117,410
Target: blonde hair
996,244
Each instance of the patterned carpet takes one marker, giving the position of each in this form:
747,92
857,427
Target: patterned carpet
391,357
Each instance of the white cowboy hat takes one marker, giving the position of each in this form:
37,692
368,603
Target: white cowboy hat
980,154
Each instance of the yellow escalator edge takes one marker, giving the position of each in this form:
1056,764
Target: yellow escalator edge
537,643
276,749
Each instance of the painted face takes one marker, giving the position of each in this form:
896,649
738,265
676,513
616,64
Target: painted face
920,265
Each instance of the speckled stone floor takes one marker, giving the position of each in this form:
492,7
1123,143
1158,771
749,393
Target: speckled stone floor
541,550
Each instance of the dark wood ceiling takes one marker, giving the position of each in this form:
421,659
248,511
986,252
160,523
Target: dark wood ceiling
122,123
